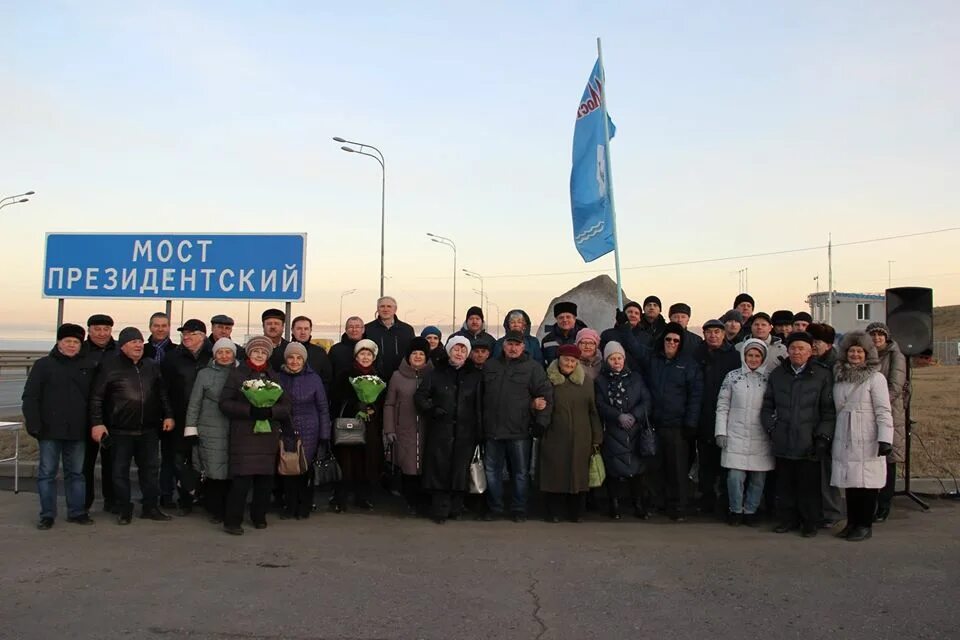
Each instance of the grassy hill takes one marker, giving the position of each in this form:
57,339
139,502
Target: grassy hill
946,323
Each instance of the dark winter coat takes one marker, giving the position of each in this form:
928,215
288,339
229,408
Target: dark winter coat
509,387
341,356
634,340
392,341
347,405
400,417
98,354
180,368
129,398
309,410
251,453
56,395
150,349
676,388
691,344
450,401
829,358
893,366
572,434
653,329
241,353
213,428
531,346
797,408
277,358
556,337
714,365
471,336
318,360
620,446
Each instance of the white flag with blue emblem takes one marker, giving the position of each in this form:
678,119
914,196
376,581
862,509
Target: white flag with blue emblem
593,226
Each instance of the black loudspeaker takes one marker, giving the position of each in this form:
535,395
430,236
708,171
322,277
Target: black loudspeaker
910,318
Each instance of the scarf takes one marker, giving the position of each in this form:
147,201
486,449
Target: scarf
258,368
364,371
160,348
617,389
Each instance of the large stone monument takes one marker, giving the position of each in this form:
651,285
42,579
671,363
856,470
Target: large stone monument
596,301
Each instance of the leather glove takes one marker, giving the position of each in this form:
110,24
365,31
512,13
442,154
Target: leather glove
822,446
261,413
390,438
626,420
721,441
620,318
884,448
439,412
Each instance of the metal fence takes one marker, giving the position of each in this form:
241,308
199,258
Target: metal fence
947,353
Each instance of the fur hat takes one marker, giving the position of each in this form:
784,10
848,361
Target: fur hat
225,343
295,347
858,339
732,316
259,342
680,307
879,327
564,307
587,334
99,319
367,344
673,327
802,316
455,340
613,347
799,336
653,299
783,316
822,332
570,350
418,344
743,297
67,330
129,334
476,311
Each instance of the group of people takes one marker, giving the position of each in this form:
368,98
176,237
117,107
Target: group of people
762,411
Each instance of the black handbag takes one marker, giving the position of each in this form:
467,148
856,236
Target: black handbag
349,431
326,470
647,441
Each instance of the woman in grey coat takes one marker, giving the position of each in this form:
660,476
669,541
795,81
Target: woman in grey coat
211,427
893,366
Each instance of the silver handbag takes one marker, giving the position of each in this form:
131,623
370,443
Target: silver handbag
349,431
478,477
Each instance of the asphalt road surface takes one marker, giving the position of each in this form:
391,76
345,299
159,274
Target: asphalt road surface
377,576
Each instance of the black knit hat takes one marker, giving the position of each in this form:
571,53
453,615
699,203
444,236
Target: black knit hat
100,319
680,307
564,307
743,297
732,316
633,304
802,316
273,313
418,344
68,330
477,311
129,334
782,316
822,332
650,299
799,336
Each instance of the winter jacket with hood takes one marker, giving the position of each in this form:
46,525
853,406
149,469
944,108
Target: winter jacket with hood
309,410
213,428
531,346
863,418
555,337
56,395
392,341
129,398
798,409
714,364
401,418
739,405
251,453
573,433
676,387
621,446
451,403
893,366
509,387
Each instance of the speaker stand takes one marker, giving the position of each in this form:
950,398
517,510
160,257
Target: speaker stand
909,431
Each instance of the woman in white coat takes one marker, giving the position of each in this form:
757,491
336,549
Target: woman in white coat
864,433
746,449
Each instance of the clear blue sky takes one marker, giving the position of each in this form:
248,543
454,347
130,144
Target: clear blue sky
742,127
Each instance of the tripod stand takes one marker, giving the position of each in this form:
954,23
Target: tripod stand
906,465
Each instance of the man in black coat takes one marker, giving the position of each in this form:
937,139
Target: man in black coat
221,326
98,346
563,331
799,415
716,358
474,326
180,368
391,335
317,358
628,331
159,344
824,351
128,408
680,314
273,322
55,400
652,322
341,354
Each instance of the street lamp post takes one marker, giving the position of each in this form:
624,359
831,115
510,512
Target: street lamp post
383,188
447,242
479,277
342,296
15,199
489,302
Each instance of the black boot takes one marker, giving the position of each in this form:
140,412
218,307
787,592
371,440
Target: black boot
614,509
859,534
883,512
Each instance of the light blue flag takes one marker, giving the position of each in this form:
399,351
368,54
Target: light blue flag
593,226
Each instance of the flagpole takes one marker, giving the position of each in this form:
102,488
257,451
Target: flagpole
606,159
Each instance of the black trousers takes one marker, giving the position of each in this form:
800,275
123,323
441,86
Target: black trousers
143,449
711,489
886,494
674,465
240,487
297,494
861,507
565,505
106,473
831,497
412,492
634,487
446,504
798,492
215,497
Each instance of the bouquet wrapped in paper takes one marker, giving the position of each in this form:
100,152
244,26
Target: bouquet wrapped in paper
368,389
261,393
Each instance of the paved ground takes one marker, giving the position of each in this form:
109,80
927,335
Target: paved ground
377,576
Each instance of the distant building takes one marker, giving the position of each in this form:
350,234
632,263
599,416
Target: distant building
851,311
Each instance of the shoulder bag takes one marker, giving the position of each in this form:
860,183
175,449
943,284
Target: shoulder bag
292,463
478,477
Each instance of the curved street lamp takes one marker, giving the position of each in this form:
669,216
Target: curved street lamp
473,274
447,242
342,296
383,187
